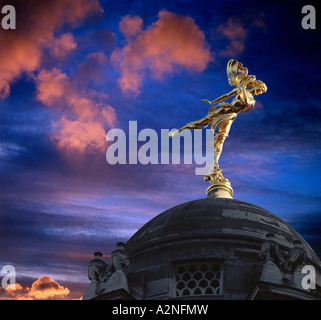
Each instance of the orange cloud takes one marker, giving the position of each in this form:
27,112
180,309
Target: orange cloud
81,127
172,41
12,290
46,288
37,23
236,34
15,292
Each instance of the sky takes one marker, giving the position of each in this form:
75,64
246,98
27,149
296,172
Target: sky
74,69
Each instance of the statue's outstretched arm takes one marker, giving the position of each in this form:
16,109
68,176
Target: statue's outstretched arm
197,124
223,97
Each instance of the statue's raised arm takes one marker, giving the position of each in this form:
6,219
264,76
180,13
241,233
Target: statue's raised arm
222,114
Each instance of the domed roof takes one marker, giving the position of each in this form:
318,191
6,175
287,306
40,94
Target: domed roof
216,218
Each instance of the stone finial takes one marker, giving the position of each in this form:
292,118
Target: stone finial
118,262
97,267
119,258
98,274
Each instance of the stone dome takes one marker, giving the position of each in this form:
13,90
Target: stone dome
207,248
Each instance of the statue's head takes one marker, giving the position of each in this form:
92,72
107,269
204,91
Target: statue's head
259,87
254,86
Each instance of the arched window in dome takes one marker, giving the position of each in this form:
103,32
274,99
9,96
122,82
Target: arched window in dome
192,278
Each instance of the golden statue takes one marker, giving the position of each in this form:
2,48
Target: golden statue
222,115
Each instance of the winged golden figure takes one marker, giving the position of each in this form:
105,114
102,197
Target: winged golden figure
222,114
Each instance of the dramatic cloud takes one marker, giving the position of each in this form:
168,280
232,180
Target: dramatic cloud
172,41
37,24
84,117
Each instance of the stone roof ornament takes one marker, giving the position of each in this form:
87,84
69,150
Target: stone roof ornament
98,275
282,266
107,277
221,116
296,257
270,251
119,259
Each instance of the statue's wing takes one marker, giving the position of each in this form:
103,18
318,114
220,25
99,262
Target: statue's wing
235,72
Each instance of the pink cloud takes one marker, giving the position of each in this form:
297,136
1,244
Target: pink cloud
39,22
131,26
81,127
170,42
60,47
234,31
51,86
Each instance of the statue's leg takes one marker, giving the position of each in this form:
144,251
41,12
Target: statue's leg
222,134
224,126
215,173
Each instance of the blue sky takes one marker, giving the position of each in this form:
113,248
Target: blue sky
72,70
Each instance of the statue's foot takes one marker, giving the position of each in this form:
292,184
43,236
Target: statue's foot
215,176
212,177
224,180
